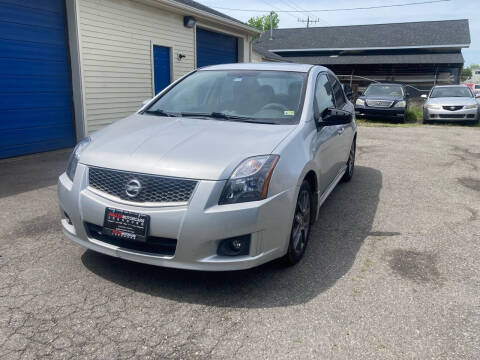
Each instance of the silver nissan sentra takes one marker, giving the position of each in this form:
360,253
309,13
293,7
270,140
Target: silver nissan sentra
225,169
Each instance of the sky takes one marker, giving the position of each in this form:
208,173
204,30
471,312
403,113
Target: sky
453,9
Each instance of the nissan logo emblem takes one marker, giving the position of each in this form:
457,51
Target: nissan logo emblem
133,188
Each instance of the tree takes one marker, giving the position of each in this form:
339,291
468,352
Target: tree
467,71
263,22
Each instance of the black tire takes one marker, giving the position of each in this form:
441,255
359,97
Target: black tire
350,162
302,222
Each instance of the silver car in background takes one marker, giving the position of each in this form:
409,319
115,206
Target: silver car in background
450,103
224,170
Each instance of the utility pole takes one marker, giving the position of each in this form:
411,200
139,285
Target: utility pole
308,21
271,25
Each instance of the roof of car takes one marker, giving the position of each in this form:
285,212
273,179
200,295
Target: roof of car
276,66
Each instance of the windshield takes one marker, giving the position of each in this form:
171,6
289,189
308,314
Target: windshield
458,91
256,96
384,90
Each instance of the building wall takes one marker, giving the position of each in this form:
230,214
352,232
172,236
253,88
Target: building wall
256,57
115,41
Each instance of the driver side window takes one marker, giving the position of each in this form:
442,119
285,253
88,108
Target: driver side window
323,94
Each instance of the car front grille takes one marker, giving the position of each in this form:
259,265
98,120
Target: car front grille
152,189
452,116
379,103
153,245
452,108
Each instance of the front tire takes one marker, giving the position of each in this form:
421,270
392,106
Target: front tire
350,162
302,221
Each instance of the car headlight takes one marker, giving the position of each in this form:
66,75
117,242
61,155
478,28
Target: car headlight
472,106
433,106
360,102
249,181
74,156
401,104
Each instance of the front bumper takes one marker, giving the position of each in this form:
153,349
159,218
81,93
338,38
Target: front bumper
447,115
391,112
198,227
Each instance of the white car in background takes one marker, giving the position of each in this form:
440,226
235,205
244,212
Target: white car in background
450,103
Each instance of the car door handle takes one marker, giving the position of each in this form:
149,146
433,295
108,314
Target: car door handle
340,131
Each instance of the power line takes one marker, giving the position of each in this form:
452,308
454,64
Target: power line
307,12
278,9
341,9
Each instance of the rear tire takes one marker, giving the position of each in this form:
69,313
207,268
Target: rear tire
302,221
350,162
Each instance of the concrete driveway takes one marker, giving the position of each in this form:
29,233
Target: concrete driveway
392,271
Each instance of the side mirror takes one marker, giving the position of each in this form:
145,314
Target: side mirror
477,95
359,93
332,116
145,102
423,96
349,94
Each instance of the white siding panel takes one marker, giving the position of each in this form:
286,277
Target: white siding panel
115,44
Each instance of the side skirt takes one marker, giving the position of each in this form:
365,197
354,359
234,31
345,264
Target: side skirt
329,189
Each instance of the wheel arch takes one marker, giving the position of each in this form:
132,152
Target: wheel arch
311,178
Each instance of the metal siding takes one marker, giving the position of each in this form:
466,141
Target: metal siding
161,67
35,86
215,48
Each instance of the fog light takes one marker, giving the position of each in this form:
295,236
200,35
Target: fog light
236,246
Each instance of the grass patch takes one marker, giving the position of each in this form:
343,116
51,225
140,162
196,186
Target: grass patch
414,114
382,123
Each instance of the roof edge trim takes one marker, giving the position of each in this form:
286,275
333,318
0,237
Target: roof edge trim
239,25
374,48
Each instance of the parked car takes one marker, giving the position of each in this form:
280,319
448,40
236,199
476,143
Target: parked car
225,169
450,103
476,90
383,100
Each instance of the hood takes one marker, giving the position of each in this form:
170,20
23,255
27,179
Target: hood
452,101
180,147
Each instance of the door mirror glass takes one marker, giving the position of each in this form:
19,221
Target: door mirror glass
332,116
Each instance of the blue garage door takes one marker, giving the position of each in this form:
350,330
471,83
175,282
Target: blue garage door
214,48
35,89
161,67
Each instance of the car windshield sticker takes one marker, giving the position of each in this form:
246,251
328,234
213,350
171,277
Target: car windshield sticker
289,112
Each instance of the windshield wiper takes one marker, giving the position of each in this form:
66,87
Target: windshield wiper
219,115
160,112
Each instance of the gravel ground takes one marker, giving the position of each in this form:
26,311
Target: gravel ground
391,271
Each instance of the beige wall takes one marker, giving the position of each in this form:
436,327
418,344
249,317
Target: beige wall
115,41
256,57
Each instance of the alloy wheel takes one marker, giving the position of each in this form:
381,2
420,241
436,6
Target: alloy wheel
301,222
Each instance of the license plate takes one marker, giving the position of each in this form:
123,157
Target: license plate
125,224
